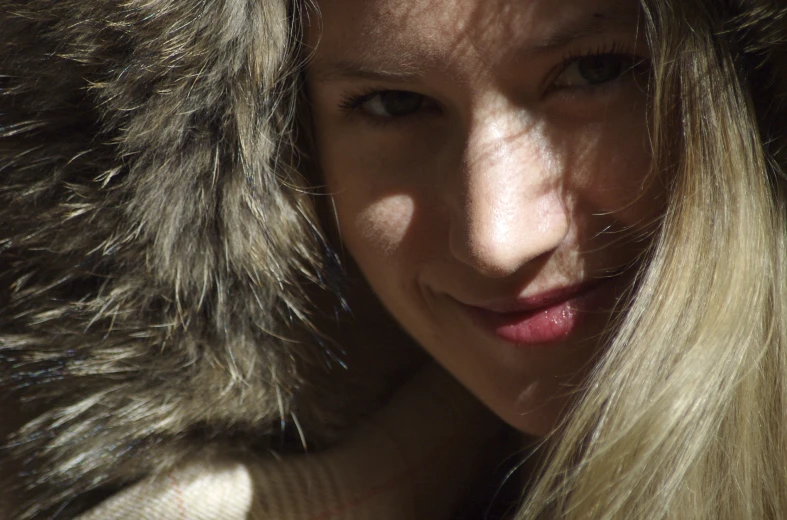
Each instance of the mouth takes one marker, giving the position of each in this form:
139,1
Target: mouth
543,319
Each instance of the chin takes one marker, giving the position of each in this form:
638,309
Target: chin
536,408
539,420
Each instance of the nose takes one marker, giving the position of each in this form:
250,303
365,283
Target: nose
507,209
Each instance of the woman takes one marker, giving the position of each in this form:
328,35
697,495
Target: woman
577,209
502,171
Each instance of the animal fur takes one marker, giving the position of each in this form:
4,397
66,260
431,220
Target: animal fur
160,257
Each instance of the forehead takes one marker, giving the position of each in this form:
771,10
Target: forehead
423,33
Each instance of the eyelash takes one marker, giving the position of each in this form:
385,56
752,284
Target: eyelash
612,48
351,102
616,49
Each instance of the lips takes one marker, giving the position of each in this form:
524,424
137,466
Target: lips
542,319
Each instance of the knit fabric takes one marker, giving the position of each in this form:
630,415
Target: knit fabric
412,460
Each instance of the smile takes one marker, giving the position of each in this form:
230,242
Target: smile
542,319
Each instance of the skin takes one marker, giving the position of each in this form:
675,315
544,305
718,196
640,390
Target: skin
512,177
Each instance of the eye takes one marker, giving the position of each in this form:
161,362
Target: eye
594,70
389,103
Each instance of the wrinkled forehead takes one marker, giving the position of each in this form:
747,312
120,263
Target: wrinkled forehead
430,32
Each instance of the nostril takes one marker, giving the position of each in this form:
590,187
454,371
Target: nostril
497,262
500,243
488,257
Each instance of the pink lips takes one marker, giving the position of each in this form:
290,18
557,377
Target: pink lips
545,318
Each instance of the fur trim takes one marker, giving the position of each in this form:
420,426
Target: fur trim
155,240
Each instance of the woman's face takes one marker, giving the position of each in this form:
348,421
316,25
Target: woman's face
487,161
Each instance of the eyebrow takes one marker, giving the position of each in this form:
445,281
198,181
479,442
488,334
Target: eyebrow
615,16
399,70
407,68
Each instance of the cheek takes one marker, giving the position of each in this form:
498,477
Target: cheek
375,217
613,173
374,227
381,184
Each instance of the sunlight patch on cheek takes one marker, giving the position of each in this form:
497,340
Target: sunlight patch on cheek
382,225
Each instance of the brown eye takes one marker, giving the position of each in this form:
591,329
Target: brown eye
594,70
600,69
393,103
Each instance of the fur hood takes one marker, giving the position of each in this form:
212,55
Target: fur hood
158,250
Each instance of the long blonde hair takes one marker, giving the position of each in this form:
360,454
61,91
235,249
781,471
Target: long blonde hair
685,415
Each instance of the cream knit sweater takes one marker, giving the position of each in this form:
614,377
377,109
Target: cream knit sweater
413,460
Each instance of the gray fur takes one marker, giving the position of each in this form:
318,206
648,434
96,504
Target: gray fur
158,249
